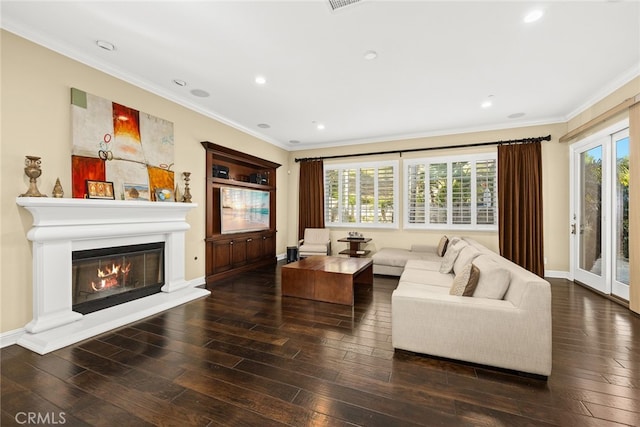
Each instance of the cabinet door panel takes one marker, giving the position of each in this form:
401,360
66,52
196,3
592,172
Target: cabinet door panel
221,255
239,252
254,248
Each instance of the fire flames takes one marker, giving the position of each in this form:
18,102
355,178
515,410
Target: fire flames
110,277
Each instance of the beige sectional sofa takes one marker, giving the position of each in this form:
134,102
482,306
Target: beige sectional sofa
506,323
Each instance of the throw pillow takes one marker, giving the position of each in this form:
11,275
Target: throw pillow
465,282
466,255
450,256
442,246
494,279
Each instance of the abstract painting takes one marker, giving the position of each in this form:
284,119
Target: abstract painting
113,142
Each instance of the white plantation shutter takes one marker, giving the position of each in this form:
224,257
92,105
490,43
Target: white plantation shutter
367,195
331,195
453,192
364,194
416,208
348,202
438,191
386,205
461,192
486,190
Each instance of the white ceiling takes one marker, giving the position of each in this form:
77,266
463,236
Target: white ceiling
437,61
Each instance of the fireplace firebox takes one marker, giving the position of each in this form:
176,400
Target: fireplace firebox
106,277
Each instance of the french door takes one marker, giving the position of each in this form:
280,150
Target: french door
600,211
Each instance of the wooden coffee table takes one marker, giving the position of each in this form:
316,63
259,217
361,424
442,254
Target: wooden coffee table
326,278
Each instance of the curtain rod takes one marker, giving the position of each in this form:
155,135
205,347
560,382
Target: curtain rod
411,150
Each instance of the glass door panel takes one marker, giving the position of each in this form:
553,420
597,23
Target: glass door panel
590,216
600,217
620,234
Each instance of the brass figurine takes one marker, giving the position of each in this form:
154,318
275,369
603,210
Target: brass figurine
33,171
58,192
187,194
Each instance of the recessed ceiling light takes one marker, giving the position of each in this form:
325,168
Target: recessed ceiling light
199,93
370,54
320,126
515,115
487,102
263,125
180,82
294,141
261,80
533,16
106,45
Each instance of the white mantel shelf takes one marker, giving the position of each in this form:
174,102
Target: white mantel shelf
61,226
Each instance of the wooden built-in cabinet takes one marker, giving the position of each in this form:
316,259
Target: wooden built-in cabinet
229,254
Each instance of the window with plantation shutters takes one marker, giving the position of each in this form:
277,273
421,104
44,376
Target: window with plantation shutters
453,192
364,194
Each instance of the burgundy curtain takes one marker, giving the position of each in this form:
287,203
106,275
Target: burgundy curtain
520,205
311,196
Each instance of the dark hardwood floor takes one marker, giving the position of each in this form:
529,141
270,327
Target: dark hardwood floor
245,356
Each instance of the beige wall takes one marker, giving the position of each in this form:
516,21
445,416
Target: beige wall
555,189
36,121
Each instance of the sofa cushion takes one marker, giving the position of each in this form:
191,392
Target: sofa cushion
465,282
423,264
442,245
466,255
450,256
425,277
494,279
394,257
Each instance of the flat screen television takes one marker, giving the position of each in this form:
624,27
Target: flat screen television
243,209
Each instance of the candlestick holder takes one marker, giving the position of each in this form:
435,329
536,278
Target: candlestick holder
187,193
33,171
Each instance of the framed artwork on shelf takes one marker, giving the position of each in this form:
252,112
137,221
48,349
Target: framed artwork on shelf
100,190
136,191
164,195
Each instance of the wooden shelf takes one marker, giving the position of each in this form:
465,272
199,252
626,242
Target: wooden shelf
229,254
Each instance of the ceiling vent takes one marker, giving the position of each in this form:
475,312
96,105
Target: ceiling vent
338,4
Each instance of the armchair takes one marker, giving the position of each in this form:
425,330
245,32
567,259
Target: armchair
316,241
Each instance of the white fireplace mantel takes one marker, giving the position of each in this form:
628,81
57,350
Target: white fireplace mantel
61,226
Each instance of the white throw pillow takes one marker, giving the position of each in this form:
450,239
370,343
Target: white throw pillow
466,255
450,256
494,280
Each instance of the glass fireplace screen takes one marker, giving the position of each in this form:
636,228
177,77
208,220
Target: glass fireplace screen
109,276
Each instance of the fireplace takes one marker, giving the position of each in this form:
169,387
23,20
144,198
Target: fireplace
102,264
105,277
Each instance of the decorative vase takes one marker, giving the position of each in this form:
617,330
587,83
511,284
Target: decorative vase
33,171
58,192
187,194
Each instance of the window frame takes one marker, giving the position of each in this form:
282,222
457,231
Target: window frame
473,159
376,165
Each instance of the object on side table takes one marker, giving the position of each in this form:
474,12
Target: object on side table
33,171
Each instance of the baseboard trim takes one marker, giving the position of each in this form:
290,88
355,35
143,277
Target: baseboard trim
557,274
11,337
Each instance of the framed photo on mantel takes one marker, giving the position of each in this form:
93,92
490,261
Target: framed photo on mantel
100,190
